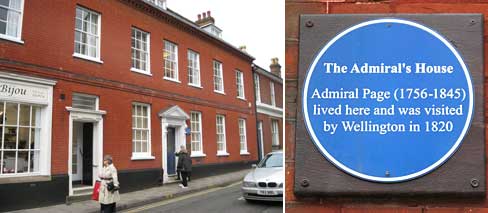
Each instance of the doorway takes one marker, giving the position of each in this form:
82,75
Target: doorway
82,154
86,130
260,140
171,157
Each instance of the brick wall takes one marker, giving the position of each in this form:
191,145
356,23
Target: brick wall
267,133
343,204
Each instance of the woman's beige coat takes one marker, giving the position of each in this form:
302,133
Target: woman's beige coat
106,197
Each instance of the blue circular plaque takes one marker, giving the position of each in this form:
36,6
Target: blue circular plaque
388,100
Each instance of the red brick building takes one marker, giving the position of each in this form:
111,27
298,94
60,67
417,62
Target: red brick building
345,203
269,106
129,78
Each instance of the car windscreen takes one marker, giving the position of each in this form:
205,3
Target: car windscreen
272,160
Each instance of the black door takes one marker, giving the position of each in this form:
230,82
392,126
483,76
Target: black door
171,151
87,154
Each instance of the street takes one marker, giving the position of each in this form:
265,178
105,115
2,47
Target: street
222,199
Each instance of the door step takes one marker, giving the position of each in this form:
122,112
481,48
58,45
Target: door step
172,179
80,194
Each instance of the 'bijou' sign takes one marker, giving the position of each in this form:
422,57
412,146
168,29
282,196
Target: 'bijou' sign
17,91
387,100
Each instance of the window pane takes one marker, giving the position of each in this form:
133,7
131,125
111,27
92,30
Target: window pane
4,2
34,161
9,162
10,140
11,118
3,14
36,116
15,4
3,27
24,119
138,146
22,161
35,139
23,137
2,113
144,146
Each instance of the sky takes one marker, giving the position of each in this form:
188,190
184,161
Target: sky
257,24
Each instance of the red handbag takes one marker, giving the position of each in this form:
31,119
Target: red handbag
96,190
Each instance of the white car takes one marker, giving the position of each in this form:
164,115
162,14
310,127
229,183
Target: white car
266,180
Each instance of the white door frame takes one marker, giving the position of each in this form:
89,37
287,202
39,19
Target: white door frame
172,117
90,116
79,142
260,130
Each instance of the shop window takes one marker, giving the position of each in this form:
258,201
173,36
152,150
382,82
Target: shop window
20,130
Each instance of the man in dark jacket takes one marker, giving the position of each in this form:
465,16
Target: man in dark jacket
185,161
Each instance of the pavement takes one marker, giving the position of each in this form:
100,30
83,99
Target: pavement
150,195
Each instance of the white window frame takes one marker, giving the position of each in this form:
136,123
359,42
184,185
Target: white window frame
275,133
148,154
147,70
240,85
168,47
41,148
98,36
272,93
242,136
257,87
17,39
196,153
222,152
194,69
218,75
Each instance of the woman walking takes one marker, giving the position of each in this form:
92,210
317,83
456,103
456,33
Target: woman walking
109,193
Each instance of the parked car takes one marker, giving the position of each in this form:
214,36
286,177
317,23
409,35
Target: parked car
265,181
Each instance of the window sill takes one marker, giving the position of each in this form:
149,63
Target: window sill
241,98
219,92
198,154
245,153
141,71
173,80
96,60
142,157
24,178
196,86
223,154
10,38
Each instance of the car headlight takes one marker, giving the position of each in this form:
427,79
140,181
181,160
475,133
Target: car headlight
248,184
281,185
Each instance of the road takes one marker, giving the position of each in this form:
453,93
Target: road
222,199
